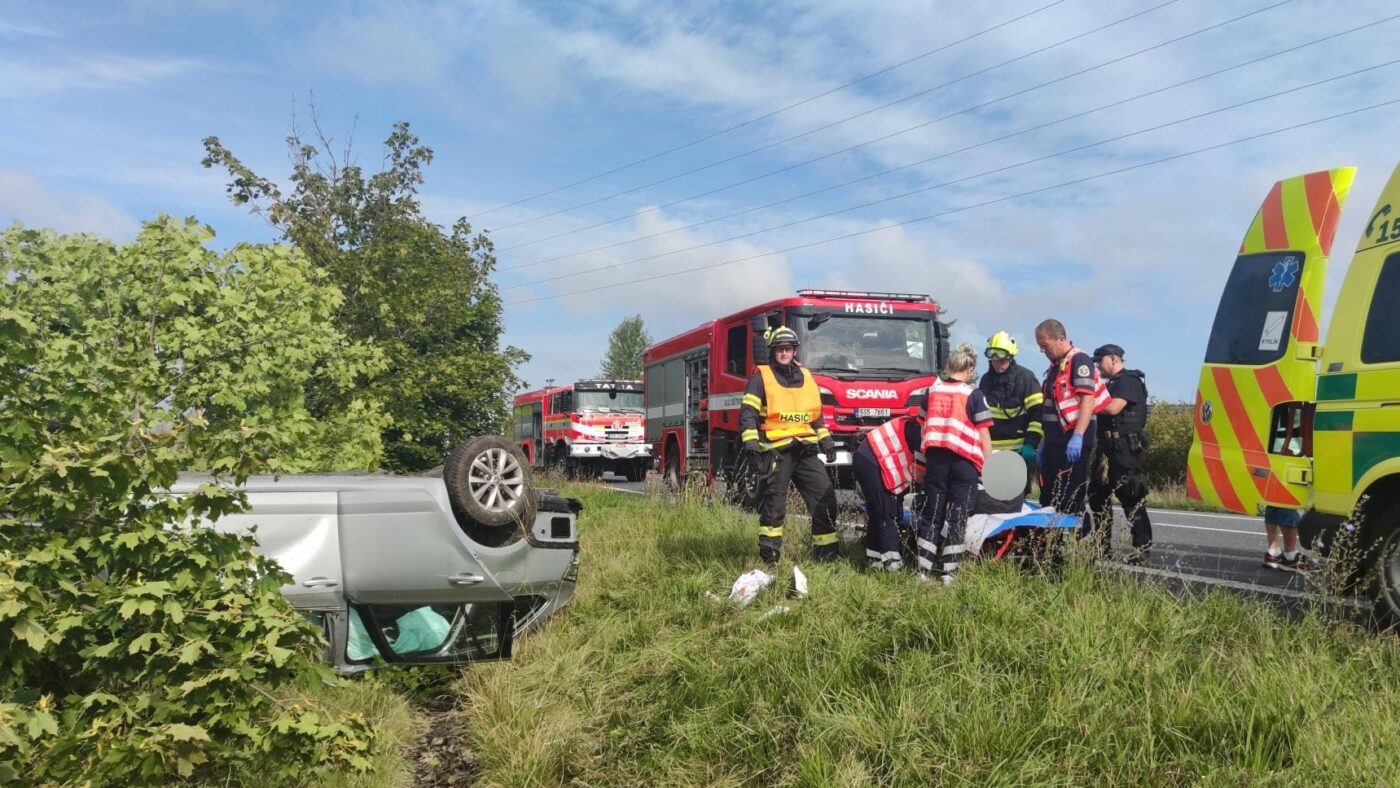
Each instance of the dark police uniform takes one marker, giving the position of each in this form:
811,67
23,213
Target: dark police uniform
1116,470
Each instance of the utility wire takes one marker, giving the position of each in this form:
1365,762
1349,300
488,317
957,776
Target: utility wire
915,127
772,113
960,209
835,123
945,154
962,179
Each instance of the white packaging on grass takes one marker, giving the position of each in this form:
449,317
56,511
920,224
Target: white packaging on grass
748,585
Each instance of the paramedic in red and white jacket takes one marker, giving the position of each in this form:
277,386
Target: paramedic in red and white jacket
1074,393
956,440
887,464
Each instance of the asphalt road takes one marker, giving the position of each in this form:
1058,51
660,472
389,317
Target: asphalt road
1197,551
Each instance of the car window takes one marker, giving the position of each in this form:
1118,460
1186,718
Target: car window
1381,342
445,633
1256,309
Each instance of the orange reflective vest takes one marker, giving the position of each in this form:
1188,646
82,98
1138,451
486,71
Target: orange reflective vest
947,426
1066,400
892,454
791,412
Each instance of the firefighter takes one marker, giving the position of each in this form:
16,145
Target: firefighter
956,439
1117,466
886,465
1073,392
1014,397
780,421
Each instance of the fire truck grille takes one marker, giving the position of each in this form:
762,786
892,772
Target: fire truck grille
850,420
617,435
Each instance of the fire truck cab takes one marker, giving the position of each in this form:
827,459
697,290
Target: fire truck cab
585,428
873,355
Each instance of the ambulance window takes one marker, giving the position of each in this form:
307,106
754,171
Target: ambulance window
737,350
1253,322
1381,342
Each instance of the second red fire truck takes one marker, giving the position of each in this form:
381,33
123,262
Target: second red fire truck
585,428
873,355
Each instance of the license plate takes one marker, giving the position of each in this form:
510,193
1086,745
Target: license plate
872,413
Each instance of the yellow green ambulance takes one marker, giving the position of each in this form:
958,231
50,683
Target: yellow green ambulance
1284,420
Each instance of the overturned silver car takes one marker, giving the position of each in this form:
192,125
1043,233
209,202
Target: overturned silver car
417,570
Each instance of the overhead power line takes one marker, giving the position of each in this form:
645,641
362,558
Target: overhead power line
915,127
963,179
945,154
973,206
772,113
846,119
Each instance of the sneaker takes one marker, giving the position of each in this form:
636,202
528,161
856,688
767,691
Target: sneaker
1272,561
949,579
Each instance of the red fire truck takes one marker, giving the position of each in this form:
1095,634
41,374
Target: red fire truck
585,428
873,355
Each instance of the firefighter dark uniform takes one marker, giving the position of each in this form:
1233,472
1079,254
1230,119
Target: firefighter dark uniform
1014,398
780,418
952,446
884,466
1063,484
1116,469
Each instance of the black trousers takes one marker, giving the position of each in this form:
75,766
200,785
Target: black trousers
1110,477
882,511
1064,485
797,465
950,492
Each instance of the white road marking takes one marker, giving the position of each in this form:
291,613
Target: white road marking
1156,524
1355,604
1185,513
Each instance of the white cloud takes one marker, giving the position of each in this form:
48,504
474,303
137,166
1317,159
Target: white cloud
10,28
25,199
88,72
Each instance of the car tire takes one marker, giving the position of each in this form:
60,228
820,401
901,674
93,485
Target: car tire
491,491
1384,566
636,472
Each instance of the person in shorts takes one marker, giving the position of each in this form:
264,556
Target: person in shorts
1281,525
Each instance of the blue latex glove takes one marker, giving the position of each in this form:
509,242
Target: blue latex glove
1040,453
1030,453
1074,448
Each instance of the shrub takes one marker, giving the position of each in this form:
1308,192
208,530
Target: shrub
136,650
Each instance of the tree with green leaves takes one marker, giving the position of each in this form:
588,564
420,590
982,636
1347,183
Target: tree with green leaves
623,360
137,651
421,294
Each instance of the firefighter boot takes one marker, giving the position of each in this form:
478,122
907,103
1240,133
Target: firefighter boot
770,543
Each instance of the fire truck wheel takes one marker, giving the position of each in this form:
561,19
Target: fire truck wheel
489,486
674,480
743,488
636,472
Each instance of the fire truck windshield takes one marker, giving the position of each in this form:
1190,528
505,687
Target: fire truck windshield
849,344
621,401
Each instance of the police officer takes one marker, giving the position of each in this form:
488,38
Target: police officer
1014,396
780,423
887,464
1117,466
1073,392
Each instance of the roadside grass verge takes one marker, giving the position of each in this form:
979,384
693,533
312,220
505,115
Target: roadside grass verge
1073,678
1173,496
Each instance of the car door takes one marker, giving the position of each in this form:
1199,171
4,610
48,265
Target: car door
297,530
1259,379
417,592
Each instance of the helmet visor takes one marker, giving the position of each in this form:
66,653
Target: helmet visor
997,354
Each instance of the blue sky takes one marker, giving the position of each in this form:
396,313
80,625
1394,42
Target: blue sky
106,105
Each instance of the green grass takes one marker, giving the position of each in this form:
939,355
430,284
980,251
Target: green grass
1174,497
1076,679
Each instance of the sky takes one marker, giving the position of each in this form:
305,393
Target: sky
712,151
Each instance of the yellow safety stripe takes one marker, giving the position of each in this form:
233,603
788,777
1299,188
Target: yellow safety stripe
1006,413
823,433
1036,427
753,401
1032,400
820,540
1010,444
748,435
774,531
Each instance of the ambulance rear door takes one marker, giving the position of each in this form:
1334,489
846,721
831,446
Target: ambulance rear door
1257,388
